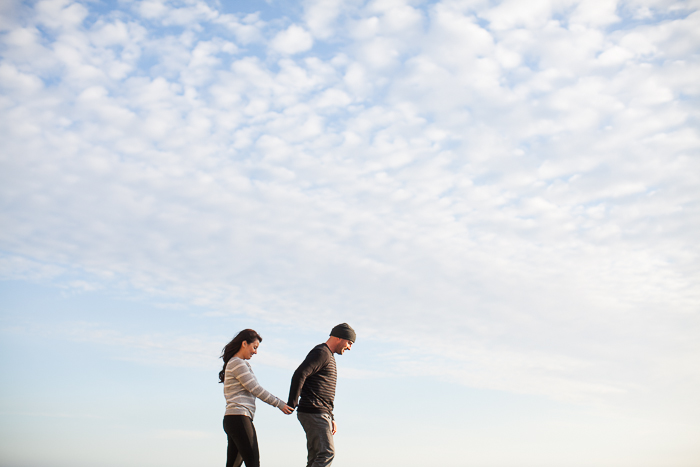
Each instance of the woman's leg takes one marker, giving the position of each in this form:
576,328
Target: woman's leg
233,458
242,436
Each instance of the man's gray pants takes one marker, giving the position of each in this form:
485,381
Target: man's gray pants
319,438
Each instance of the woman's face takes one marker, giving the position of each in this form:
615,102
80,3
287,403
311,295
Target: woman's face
248,350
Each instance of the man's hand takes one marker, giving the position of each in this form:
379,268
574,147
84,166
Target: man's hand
335,428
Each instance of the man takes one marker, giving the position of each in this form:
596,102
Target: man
315,381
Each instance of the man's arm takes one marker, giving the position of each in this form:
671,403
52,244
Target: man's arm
313,362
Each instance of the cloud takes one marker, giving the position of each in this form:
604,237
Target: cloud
152,349
60,14
321,16
192,13
520,182
246,30
292,40
15,81
18,268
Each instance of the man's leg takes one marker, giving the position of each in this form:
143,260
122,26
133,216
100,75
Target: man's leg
319,439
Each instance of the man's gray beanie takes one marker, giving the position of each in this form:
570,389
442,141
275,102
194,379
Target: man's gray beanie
344,331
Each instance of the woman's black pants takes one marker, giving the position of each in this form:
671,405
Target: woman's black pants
242,441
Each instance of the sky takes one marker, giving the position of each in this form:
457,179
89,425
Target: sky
501,197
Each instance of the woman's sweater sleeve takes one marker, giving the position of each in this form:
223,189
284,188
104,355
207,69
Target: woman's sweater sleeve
247,379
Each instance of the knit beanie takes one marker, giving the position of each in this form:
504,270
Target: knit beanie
344,331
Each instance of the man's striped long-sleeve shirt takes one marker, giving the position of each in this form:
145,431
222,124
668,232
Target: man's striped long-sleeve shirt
315,381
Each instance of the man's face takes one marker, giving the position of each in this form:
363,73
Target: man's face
343,345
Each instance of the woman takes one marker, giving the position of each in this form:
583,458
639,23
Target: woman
240,389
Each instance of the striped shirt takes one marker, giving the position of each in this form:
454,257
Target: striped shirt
241,388
314,381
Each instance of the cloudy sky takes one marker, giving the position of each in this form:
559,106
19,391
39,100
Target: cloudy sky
501,197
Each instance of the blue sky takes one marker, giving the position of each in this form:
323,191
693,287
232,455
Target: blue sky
502,198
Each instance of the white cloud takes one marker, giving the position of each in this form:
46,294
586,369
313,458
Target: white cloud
321,16
60,14
247,30
16,267
379,53
152,8
114,33
17,82
395,17
524,187
334,98
292,40
191,14
595,13
512,14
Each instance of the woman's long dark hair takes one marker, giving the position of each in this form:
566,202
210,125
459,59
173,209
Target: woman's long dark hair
234,346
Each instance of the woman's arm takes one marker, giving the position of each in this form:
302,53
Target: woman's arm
245,376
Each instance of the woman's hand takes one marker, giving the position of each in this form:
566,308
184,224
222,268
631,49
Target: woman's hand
286,409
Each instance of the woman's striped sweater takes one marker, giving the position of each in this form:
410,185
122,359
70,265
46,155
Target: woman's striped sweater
241,388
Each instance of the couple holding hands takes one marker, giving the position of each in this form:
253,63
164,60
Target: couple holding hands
313,386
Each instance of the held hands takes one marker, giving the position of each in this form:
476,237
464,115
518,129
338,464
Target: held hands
335,428
286,409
